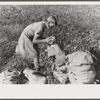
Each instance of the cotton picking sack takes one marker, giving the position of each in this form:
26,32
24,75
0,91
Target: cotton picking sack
34,79
59,54
62,77
80,68
6,77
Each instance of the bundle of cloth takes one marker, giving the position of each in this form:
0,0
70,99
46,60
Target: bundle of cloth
37,78
80,67
12,77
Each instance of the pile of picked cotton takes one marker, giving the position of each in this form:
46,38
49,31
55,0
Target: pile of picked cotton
61,74
7,76
62,77
36,78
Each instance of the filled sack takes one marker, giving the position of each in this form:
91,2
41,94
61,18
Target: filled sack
37,78
61,77
7,76
80,67
55,50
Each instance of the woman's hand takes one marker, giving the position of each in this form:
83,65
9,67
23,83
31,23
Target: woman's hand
50,39
47,39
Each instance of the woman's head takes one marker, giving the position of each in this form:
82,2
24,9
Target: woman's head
51,21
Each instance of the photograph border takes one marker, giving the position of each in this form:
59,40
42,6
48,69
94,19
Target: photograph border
56,91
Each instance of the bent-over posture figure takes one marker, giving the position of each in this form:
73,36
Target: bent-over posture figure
27,44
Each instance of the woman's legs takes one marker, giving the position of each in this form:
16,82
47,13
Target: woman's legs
36,63
36,59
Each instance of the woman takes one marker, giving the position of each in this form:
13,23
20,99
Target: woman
27,44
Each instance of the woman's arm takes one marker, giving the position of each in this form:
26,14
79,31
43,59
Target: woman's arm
37,34
36,40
